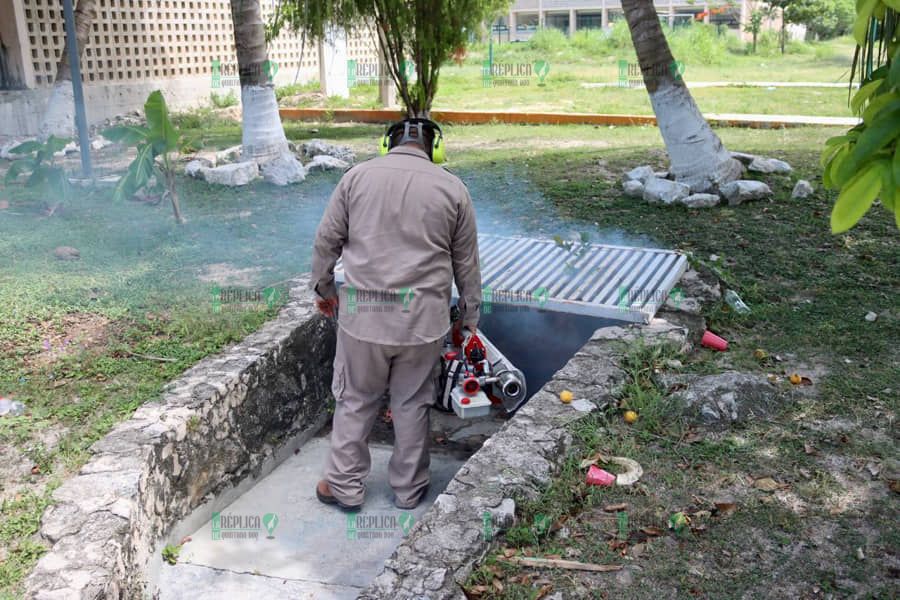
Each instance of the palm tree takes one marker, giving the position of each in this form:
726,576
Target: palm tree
59,117
263,136
696,153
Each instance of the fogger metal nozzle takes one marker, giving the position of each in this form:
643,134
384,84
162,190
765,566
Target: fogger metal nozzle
511,386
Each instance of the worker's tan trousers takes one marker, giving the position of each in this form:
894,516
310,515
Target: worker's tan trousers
362,372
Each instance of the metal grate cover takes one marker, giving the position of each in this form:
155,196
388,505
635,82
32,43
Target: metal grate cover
616,282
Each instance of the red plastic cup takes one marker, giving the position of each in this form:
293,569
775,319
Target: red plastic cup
711,340
597,476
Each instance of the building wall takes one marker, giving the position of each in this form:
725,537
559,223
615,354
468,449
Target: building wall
137,40
137,46
571,15
15,69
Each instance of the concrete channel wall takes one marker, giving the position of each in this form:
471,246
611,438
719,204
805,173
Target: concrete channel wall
221,426
518,461
229,420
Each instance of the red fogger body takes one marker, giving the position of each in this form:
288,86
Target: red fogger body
475,375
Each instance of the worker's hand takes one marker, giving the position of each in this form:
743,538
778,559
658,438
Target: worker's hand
327,306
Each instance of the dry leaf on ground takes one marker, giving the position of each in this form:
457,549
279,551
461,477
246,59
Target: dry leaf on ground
725,506
766,484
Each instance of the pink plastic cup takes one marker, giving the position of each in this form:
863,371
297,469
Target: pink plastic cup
597,476
711,340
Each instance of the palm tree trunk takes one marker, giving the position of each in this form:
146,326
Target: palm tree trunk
59,117
696,153
263,134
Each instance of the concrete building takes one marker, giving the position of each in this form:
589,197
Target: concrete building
527,16
185,47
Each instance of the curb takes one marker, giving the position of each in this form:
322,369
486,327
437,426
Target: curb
224,421
465,117
518,461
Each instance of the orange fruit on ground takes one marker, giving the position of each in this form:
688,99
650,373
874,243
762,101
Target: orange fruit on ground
566,396
795,379
630,416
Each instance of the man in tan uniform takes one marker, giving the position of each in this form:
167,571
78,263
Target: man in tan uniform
406,229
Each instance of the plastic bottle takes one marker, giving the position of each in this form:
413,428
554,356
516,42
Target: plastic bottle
735,302
11,408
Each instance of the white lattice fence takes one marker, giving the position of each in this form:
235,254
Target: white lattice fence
135,40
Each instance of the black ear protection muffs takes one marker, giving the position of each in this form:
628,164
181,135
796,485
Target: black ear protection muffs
437,153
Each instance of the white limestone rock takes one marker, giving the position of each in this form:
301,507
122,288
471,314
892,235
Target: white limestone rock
194,167
642,174
633,189
99,143
802,189
234,174
665,191
324,162
6,149
283,170
317,147
743,157
742,190
701,200
769,165
228,155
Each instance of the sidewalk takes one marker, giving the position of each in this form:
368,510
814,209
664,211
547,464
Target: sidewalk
314,551
471,117
711,84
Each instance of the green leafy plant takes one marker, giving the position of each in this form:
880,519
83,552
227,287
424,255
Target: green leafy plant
223,100
41,168
423,33
154,142
170,553
824,19
755,25
864,164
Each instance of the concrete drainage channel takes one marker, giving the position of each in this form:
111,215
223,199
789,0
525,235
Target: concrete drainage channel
229,455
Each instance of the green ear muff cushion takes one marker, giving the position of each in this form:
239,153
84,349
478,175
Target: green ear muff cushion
383,147
437,151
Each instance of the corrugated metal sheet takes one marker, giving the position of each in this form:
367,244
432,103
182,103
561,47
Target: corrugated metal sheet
616,282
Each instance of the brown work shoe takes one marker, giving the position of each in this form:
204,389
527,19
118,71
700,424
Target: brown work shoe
323,493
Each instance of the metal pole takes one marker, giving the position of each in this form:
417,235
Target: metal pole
84,142
491,54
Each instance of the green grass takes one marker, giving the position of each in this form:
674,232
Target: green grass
809,291
139,277
20,519
592,58
137,286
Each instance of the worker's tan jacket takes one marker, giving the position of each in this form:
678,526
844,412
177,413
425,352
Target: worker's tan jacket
406,230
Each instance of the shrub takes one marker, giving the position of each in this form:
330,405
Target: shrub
590,42
619,37
549,41
223,100
296,88
823,52
698,43
769,43
795,47
202,117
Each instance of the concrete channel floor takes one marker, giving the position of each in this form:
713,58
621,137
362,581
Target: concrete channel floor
315,551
